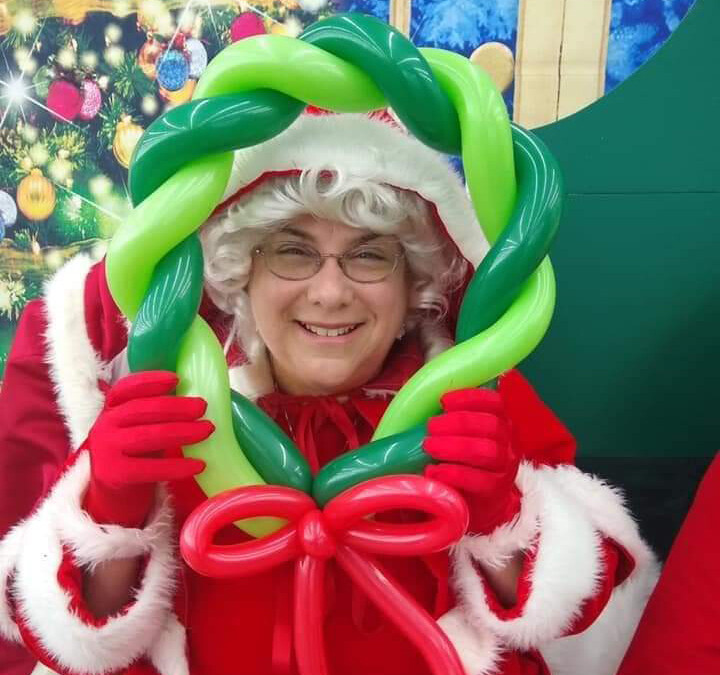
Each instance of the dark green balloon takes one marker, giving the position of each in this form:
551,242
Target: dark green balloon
398,69
203,127
273,455
523,243
400,453
168,309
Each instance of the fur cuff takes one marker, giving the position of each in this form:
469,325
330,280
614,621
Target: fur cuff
565,570
600,649
43,605
479,650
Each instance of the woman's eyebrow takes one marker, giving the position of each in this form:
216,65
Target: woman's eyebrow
297,233
370,236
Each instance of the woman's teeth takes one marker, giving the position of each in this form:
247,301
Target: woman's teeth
328,332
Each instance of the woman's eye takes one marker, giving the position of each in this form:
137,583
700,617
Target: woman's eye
369,254
292,251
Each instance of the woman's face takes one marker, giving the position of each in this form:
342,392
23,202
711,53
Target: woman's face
294,317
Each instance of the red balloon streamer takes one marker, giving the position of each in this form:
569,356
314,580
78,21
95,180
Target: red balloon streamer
343,531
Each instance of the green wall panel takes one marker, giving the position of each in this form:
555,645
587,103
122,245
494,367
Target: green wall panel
631,360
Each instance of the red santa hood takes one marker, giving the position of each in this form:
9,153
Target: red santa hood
370,147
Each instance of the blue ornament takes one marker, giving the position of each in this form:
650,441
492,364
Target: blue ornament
2,227
173,70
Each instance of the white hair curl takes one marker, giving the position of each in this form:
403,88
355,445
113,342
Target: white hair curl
228,240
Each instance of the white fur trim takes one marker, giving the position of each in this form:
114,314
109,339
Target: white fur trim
74,366
61,523
168,652
368,149
478,649
600,649
10,548
606,510
565,572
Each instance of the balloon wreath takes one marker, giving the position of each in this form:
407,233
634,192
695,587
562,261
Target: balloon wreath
250,92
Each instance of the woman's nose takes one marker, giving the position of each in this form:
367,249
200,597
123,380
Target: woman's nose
329,286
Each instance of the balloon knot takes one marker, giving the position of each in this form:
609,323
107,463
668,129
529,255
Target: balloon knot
315,539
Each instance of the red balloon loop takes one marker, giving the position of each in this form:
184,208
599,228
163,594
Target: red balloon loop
314,536
344,530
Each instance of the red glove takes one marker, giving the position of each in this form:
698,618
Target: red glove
129,441
472,442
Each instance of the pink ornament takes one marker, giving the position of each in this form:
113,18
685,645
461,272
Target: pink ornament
64,100
246,25
91,99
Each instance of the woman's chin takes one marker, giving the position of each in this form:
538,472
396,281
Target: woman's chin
322,377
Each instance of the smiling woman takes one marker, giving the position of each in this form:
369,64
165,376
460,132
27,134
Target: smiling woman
332,267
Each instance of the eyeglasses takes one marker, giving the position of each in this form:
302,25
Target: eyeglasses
296,261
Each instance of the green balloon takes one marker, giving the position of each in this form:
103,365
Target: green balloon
400,71
293,67
203,372
203,127
522,244
401,453
168,308
487,150
276,458
477,360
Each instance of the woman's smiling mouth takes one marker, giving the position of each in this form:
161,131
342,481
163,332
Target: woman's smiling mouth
329,331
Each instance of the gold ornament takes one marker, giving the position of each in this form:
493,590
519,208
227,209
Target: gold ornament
127,134
36,196
181,96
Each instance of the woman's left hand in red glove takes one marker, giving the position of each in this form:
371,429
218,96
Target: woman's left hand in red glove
471,442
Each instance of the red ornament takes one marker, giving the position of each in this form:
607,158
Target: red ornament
64,100
179,42
246,25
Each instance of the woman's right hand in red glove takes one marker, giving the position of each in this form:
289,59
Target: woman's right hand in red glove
129,441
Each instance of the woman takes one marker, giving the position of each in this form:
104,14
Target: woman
330,270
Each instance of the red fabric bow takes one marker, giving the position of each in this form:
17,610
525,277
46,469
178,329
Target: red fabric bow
344,531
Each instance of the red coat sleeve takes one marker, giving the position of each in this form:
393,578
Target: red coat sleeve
33,442
678,632
537,434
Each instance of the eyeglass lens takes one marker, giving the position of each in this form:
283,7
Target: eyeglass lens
366,263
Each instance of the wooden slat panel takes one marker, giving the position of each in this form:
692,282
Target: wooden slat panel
537,64
400,13
584,54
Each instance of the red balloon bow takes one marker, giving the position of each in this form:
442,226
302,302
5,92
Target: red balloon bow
342,530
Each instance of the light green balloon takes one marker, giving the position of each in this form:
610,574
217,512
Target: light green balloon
292,67
479,359
202,370
159,223
487,147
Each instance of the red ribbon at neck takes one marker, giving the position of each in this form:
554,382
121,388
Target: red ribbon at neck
342,531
